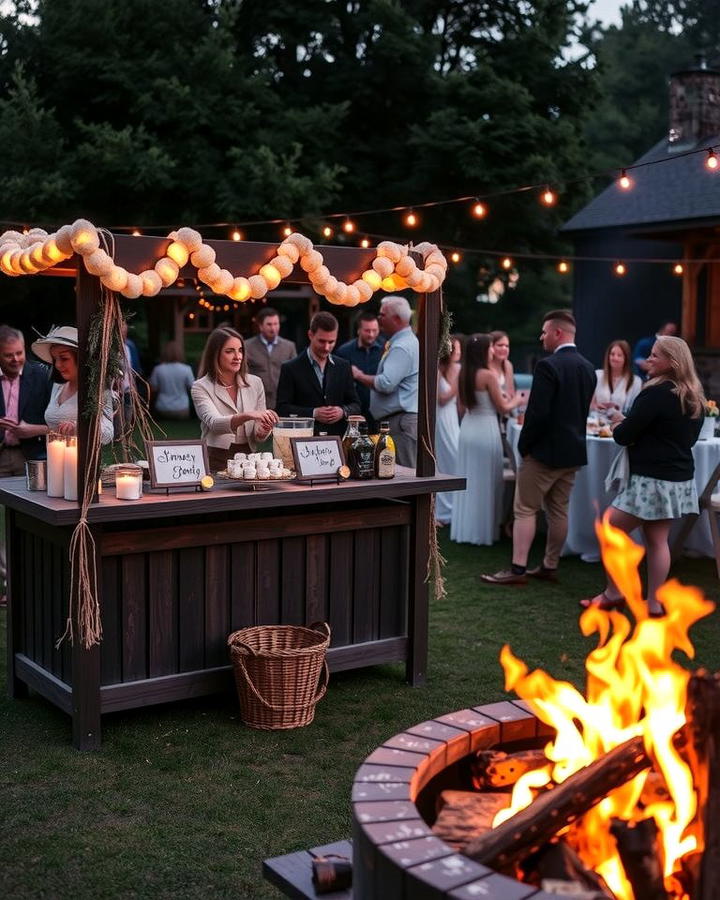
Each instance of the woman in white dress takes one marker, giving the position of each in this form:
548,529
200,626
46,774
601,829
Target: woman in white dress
500,363
447,426
229,402
477,511
617,387
60,348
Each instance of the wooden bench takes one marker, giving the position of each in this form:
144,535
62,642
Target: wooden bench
292,873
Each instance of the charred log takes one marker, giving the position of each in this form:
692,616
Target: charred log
703,714
639,853
495,769
558,862
463,815
530,828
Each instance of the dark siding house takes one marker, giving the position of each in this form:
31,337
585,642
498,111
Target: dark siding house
672,214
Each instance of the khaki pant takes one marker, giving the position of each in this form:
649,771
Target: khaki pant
403,429
542,487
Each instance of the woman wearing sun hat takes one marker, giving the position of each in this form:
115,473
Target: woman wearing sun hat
59,347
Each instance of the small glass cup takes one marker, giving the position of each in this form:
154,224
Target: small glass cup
128,482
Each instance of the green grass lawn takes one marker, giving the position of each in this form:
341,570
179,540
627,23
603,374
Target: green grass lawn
184,801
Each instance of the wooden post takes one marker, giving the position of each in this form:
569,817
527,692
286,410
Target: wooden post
85,663
87,298
428,329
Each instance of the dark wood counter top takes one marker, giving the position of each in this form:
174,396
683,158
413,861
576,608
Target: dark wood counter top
225,496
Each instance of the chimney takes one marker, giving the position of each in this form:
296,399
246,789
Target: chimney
694,105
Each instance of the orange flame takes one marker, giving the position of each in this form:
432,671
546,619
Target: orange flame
634,687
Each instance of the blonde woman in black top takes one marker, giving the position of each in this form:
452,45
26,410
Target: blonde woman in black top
660,430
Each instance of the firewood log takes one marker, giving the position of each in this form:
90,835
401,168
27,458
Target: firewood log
530,828
639,853
494,769
463,815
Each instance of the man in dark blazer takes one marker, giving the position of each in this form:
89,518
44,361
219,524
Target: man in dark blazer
552,447
317,384
24,396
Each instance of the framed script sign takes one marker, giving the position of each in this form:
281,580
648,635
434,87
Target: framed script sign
177,463
318,458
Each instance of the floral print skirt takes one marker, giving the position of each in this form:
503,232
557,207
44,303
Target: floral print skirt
651,498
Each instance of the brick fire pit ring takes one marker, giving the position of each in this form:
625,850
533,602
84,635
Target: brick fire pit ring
395,854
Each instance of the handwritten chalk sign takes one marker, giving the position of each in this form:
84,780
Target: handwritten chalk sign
177,463
317,458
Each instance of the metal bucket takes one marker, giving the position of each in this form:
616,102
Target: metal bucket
36,474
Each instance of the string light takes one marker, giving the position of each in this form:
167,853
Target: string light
620,268
507,263
678,269
191,316
624,181
562,267
411,219
455,256
348,226
237,235
136,233
365,243
712,161
327,231
547,197
479,210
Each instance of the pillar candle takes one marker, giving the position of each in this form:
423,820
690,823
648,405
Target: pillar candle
56,466
70,468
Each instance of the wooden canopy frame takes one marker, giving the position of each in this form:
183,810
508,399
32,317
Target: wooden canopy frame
137,254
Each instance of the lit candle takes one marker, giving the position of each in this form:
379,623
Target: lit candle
70,468
55,464
128,483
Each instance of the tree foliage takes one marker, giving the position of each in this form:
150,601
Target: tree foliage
198,111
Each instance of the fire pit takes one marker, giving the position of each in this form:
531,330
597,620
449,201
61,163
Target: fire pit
621,787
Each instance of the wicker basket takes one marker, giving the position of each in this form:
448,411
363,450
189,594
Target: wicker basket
278,671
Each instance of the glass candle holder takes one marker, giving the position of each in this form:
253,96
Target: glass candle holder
128,482
55,464
70,468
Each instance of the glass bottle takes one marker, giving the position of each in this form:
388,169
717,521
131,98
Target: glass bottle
352,433
362,455
385,453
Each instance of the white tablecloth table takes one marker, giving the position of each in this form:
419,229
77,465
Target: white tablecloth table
589,498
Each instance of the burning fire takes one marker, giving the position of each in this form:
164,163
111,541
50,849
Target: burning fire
634,688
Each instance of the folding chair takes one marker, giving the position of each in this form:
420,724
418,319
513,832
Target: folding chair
706,501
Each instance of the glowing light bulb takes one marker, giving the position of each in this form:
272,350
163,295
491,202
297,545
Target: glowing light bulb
624,181
191,316
455,256
506,263
678,269
712,161
348,226
548,197
620,268
479,210
237,235
287,231
135,233
365,243
411,219
562,267
327,231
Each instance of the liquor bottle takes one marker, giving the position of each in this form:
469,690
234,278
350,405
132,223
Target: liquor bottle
363,455
385,453
352,432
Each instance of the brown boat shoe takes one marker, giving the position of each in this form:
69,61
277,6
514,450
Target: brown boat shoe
505,576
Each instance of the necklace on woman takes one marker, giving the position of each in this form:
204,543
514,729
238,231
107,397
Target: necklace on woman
232,384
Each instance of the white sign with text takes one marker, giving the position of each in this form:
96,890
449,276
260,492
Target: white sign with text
317,457
177,463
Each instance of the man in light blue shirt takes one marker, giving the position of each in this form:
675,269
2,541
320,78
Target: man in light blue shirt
394,389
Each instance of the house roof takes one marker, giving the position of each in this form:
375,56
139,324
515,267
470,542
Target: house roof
679,189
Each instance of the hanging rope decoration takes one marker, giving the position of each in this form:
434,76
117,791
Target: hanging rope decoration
393,269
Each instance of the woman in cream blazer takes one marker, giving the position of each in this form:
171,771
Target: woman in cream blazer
229,402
